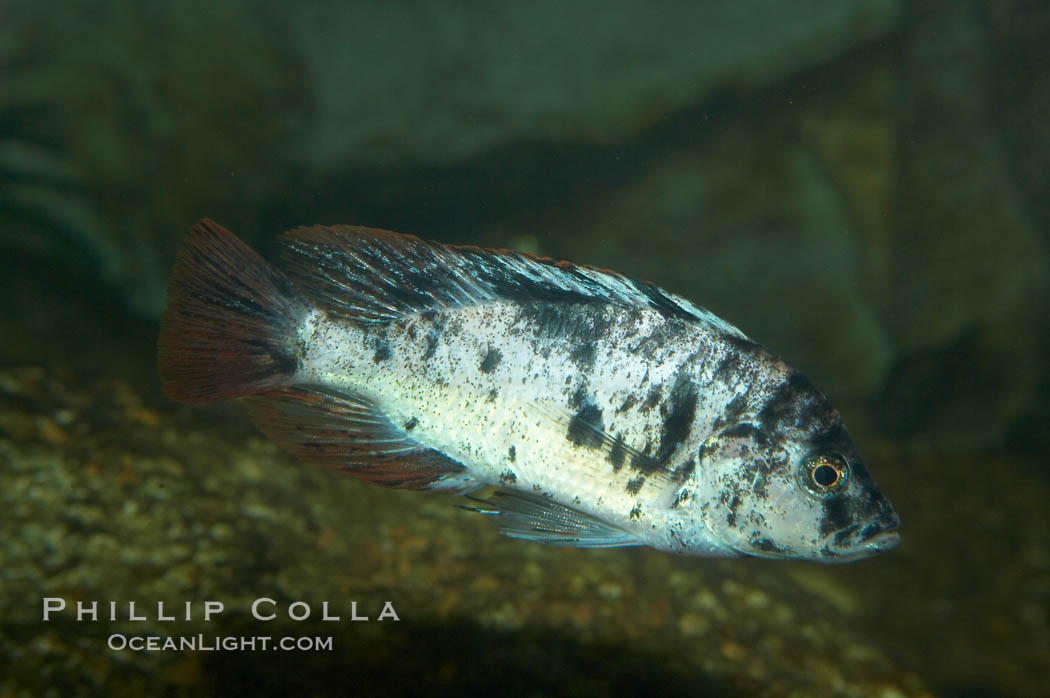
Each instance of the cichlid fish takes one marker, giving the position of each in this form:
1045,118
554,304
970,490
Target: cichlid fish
606,411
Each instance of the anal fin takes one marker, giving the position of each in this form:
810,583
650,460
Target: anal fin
544,521
350,434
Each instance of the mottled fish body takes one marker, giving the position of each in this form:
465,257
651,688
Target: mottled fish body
606,411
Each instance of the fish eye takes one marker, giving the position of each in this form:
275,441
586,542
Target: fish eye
823,474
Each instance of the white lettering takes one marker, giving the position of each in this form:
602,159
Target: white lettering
160,612
212,607
305,614
53,604
353,612
324,612
83,611
117,642
388,612
255,609
131,613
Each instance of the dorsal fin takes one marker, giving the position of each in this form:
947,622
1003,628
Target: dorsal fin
373,275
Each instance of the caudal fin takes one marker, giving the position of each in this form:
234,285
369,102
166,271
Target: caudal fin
229,326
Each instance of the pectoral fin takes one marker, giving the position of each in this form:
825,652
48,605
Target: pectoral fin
544,521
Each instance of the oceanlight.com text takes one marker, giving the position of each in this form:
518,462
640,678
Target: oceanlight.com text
214,643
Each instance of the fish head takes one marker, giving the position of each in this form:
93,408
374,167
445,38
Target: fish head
791,485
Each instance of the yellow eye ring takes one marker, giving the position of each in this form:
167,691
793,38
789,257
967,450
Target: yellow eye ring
823,474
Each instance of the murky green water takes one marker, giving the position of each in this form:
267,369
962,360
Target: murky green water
861,186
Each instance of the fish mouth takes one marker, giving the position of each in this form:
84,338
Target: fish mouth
879,541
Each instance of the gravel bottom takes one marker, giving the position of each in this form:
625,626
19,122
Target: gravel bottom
107,496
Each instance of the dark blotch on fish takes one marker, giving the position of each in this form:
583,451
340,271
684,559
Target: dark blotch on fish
508,476
283,362
636,512
432,342
411,424
871,529
586,426
643,462
493,394
382,351
731,516
683,471
512,453
572,322
845,533
682,496
583,356
836,515
652,400
617,454
704,451
835,438
492,359
746,429
726,369
678,420
627,404
796,402
579,398
634,486
766,545
734,409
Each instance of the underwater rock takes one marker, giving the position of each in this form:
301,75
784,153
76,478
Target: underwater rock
1019,89
969,291
124,124
434,82
887,252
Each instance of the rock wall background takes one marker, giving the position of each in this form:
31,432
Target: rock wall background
861,185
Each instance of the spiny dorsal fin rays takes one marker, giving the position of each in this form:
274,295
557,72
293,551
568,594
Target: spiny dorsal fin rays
372,275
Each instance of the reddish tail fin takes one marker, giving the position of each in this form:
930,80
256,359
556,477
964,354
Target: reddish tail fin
229,326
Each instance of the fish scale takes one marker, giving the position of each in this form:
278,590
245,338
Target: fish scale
608,412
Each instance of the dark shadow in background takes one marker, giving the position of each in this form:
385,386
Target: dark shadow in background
447,658
518,183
